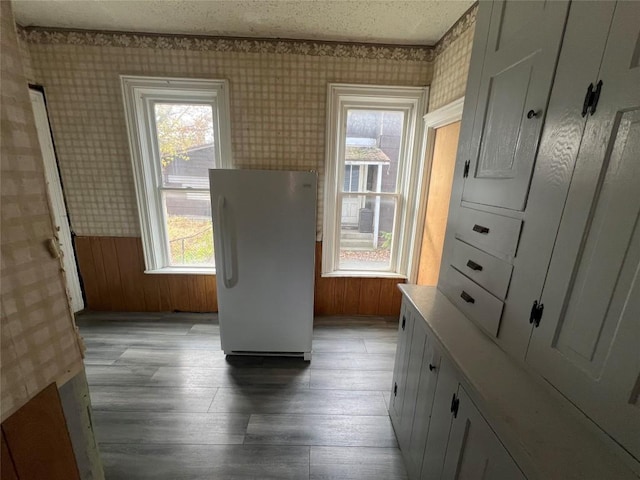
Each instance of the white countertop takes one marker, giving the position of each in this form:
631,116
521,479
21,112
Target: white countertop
544,433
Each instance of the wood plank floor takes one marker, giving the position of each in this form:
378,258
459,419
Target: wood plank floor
169,405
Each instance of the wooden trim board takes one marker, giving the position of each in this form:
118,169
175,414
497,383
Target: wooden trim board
112,271
37,439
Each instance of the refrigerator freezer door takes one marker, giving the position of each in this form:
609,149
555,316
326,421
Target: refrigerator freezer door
264,225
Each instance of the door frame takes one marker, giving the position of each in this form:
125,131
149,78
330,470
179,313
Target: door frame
57,202
441,117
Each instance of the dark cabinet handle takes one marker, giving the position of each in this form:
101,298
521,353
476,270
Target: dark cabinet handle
455,404
395,389
532,114
474,266
432,367
591,99
480,229
467,298
596,97
588,98
404,321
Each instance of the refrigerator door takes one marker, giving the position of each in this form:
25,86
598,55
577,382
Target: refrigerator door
264,225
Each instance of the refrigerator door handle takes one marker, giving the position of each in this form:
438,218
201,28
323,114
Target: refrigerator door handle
227,261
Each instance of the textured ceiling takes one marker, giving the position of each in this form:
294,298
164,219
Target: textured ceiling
413,22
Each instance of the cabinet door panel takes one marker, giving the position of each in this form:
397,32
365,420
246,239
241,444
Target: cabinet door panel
440,422
424,403
505,103
410,390
474,451
400,367
587,343
519,62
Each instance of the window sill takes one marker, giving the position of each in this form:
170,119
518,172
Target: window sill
183,271
364,274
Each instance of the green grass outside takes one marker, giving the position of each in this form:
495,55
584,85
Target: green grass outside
198,246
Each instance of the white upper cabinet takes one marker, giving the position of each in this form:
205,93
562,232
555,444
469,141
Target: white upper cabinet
516,74
583,46
588,340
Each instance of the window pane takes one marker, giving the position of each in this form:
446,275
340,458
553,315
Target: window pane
186,143
366,232
351,178
189,228
372,148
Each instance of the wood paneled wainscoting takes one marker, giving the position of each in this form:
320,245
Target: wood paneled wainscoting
112,272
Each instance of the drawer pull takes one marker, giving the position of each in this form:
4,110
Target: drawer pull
480,229
474,266
432,367
467,298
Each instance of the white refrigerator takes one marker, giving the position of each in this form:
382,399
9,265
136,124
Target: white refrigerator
264,225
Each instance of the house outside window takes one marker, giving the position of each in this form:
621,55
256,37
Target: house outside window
372,178
178,130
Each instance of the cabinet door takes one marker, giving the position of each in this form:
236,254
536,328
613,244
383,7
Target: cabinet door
410,391
588,340
474,451
424,403
405,325
440,422
517,72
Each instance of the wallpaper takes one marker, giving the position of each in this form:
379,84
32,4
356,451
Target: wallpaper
451,65
278,100
38,341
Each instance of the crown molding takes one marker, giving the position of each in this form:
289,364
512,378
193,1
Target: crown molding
466,21
51,36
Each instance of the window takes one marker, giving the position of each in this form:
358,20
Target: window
371,179
178,130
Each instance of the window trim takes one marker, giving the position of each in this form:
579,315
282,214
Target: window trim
139,93
340,98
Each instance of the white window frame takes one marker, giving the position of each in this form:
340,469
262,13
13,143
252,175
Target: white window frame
341,98
139,95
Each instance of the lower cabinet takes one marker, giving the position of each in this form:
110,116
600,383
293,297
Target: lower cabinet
439,424
396,402
473,450
441,433
426,389
414,367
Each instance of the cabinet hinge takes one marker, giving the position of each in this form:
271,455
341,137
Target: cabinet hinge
536,313
591,99
465,173
455,404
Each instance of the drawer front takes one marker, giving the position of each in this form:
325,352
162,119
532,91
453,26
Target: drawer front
490,272
490,232
473,300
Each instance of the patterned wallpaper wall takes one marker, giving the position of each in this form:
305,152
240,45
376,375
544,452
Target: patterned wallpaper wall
451,66
26,60
277,89
38,341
